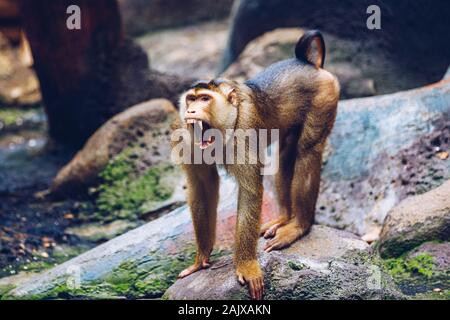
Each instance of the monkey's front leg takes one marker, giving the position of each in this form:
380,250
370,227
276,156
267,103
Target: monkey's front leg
203,197
247,233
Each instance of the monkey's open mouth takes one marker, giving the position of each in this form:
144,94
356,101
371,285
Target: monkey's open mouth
200,127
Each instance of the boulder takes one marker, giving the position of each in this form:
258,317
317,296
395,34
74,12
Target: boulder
439,251
423,272
191,52
416,220
326,264
382,150
97,232
145,127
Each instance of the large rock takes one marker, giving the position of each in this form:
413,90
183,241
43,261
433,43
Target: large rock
440,252
416,220
145,126
193,51
423,272
326,264
382,150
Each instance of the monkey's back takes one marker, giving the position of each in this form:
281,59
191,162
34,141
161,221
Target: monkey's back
279,76
287,88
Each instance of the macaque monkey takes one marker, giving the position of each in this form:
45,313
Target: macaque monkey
298,98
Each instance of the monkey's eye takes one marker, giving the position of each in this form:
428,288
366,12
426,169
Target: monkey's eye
205,98
190,98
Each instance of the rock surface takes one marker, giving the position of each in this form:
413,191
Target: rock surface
193,51
416,220
423,272
145,125
97,232
141,263
382,150
440,253
144,262
326,264
143,16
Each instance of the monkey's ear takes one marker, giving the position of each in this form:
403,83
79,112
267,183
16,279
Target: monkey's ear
232,97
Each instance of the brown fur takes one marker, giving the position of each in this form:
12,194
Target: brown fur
300,101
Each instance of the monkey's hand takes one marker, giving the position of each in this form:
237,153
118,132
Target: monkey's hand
250,272
200,263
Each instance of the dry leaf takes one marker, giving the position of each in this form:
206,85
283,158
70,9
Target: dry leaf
442,155
69,216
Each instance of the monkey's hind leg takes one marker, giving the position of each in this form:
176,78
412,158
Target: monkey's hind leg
304,193
203,197
283,182
306,179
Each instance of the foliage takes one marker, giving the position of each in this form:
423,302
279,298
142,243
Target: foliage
10,116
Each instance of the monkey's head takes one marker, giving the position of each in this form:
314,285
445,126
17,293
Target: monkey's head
208,105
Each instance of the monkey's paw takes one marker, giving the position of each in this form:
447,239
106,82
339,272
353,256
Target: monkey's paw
284,237
269,229
250,272
201,264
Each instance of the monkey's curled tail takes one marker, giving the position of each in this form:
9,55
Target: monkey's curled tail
303,48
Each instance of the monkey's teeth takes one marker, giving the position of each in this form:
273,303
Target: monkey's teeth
190,121
200,123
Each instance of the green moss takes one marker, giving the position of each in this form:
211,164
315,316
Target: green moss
37,266
432,295
420,265
11,116
127,193
93,290
4,289
296,266
152,277
147,278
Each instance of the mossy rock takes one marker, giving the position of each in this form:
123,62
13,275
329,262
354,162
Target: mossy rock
326,264
127,192
133,141
423,270
416,220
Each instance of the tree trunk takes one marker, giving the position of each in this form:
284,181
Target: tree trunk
87,75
